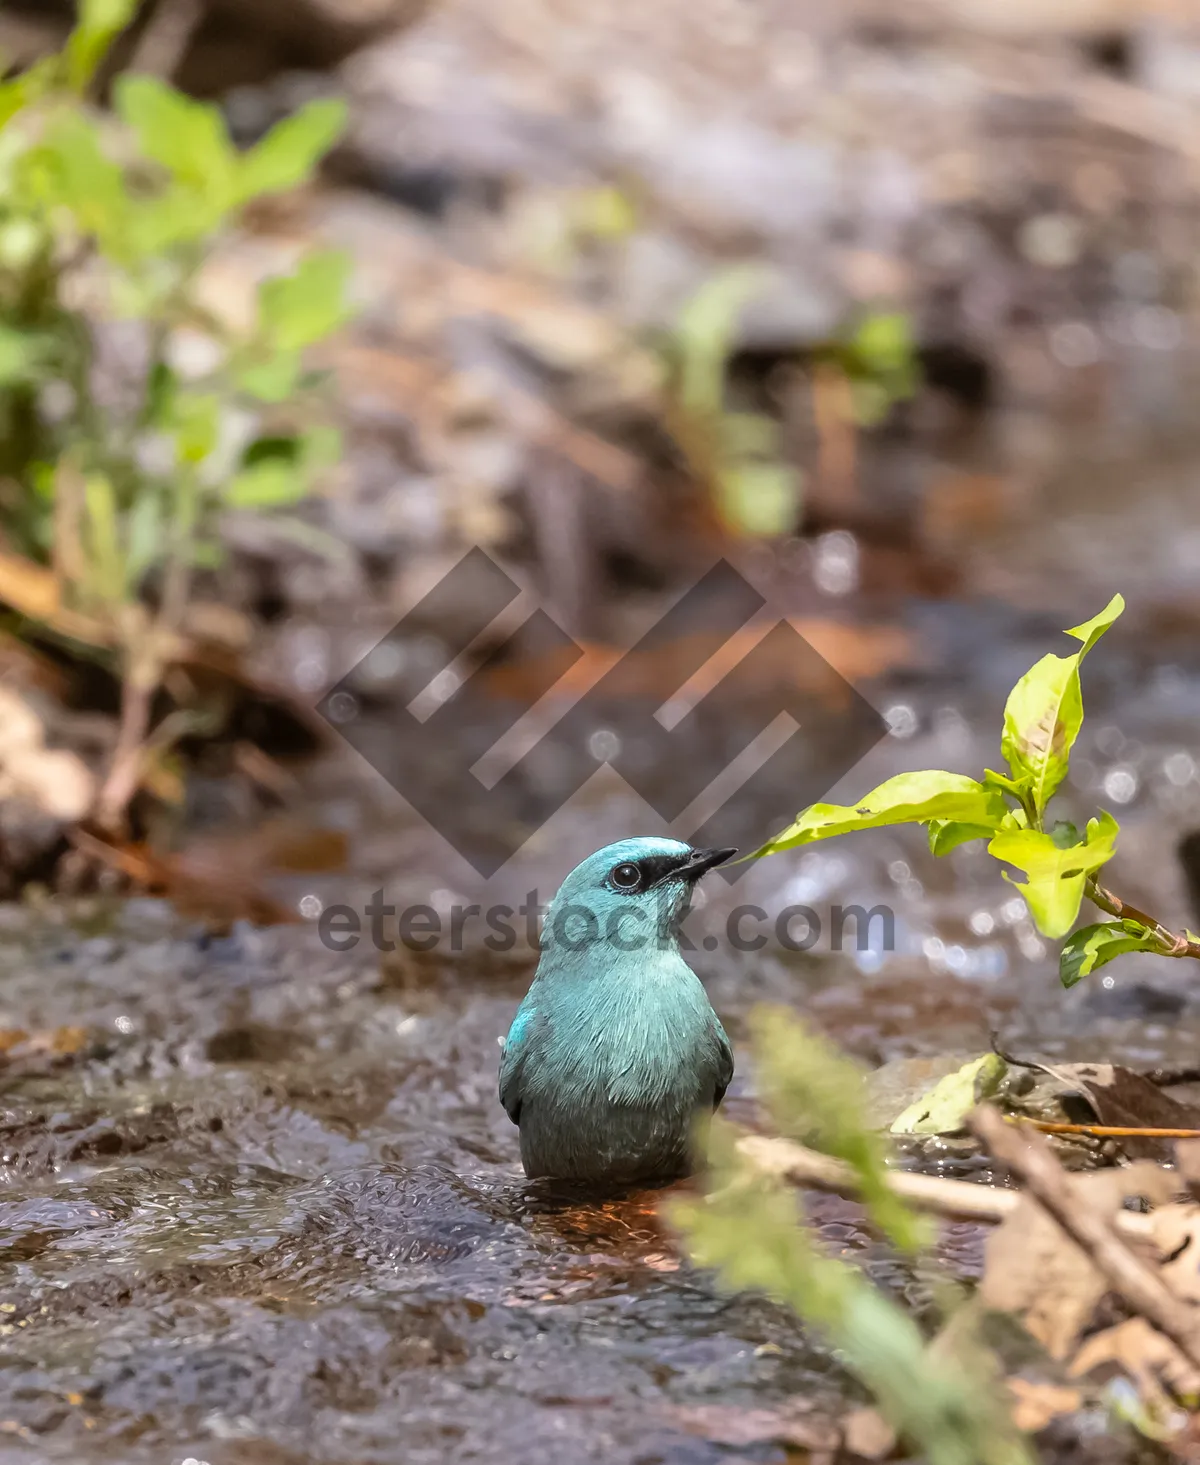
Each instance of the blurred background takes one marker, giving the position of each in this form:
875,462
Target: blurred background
894,311
894,308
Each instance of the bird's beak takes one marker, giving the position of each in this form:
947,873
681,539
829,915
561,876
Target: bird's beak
702,860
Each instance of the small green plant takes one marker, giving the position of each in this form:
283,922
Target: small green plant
878,358
116,475
740,454
737,454
941,1394
1009,811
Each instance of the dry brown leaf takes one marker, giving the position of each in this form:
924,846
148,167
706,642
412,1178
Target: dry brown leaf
1176,1233
1035,1405
1032,1268
1118,1096
34,591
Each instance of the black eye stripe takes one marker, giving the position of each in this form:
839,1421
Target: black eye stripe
652,869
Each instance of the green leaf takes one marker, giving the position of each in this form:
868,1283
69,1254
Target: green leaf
105,562
22,239
761,499
25,356
73,172
1064,834
289,153
1054,887
909,798
273,380
162,385
178,215
277,471
197,425
19,92
704,334
883,343
1045,712
944,1109
1094,946
187,138
270,484
99,24
948,834
1007,785
301,309
145,535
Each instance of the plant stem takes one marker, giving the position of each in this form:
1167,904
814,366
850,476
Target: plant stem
149,644
142,674
1170,943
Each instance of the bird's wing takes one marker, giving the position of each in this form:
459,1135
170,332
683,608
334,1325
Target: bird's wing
512,1059
724,1063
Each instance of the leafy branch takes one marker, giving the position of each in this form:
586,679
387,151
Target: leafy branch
1042,720
113,483
940,1394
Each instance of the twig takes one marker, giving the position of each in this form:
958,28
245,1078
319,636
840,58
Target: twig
1031,1160
960,1200
1172,944
141,675
1112,1131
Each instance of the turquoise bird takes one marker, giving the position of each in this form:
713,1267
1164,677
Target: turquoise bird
615,1053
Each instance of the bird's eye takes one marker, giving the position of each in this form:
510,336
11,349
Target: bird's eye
626,877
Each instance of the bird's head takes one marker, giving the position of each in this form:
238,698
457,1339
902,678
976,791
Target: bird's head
628,896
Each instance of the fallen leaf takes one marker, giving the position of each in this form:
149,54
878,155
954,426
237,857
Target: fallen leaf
35,591
1032,1268
1112,1095
1160,1371
944,1109
1176,1233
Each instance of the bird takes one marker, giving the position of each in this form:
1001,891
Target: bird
615,1057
